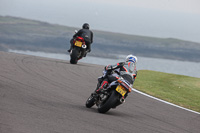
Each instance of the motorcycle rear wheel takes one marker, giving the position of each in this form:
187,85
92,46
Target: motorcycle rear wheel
109,103
74,56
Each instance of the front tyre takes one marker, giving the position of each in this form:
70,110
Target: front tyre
74,56
90,102
109,103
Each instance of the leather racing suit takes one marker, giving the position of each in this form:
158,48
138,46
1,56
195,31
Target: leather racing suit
125,69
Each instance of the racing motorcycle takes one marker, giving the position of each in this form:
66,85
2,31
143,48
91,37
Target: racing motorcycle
78,50
111,97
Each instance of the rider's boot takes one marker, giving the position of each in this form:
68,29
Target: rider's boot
71,42
87,51
99,85
103,86
69,50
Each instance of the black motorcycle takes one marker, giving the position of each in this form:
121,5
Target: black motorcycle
78,50
111,97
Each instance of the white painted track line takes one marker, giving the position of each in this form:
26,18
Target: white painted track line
164,101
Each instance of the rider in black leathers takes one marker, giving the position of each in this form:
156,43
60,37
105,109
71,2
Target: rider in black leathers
87,36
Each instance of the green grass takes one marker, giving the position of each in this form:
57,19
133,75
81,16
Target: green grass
180,90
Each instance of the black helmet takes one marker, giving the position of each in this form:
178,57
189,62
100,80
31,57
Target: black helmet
86,26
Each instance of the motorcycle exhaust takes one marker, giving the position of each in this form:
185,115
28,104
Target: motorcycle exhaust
122,100
84,46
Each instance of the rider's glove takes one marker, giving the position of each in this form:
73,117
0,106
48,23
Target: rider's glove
109,67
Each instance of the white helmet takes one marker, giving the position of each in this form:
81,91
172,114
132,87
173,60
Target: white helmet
131,58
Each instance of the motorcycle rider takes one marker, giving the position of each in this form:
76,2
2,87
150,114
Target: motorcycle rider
87,36
125,69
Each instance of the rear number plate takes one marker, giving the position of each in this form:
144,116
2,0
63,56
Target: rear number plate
121,90
78,44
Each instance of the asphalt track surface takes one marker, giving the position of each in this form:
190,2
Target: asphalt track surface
42,95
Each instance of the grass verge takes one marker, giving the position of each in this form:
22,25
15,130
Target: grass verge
180,90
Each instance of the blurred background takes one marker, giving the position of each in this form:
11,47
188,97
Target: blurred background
160,32
158,18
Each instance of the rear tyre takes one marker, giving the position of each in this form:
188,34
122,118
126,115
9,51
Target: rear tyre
109,103
90,102
74,56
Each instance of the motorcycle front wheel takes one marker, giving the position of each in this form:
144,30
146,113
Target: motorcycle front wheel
90,102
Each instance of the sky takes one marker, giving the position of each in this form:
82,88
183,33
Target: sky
155,18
